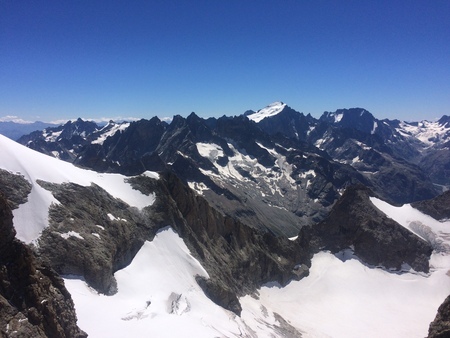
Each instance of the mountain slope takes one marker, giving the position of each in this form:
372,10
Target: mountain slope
263,283
34,301
15,130
245,172
381,151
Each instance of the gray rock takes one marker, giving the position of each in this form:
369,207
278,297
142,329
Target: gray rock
377,240
33,299
15,188
438,207
440,327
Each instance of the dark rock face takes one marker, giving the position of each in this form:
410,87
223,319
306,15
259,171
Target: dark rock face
436,163
354,118
92,234
238,258
289,122
129,152
33,299
15,188
438,207
378,240
394,178
220,294
440,327
63,141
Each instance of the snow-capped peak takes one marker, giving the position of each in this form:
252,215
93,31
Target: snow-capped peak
271,110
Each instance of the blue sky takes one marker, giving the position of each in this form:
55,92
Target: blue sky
65,59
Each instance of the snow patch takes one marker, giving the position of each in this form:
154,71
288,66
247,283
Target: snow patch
344,298
157,297
198,187
114,129
271,110
338,117
114,218
375,126
51,136
427,132
71,234
210,150
34,166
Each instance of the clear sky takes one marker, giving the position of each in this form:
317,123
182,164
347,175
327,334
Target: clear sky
92,59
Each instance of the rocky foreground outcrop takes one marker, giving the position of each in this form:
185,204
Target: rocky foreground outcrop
33,299
354,222
440,327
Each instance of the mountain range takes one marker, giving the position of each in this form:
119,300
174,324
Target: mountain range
271,223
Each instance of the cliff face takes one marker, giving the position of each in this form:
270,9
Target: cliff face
377,240
238,258
438,207
33,299
91,234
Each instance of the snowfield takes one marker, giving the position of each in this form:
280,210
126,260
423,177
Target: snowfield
271,110
159,297
115,128
341,297
34,166
344,298
428,132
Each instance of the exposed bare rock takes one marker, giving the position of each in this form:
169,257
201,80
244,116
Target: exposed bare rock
92,234
440,327
15,188
378,240
33,299
238,258
438,207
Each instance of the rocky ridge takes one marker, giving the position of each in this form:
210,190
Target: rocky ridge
355,223
288,166
34,301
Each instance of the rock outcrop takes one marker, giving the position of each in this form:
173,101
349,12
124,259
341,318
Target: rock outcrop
92,234
438,207
33,299
237,258
14,187
354,222
440,327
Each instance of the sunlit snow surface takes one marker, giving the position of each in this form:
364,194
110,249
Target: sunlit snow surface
30,218
344,298
428,132
157,297
115,128
340,298
271,110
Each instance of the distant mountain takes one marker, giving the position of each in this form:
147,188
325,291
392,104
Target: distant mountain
275,163
15,130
